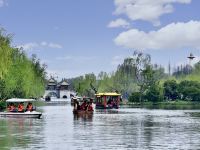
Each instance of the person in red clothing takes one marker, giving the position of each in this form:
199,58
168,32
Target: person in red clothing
21,107
89,107
83,105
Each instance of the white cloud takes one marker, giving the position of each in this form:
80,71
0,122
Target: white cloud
44,43
119,23
147,10
174,35
54,45
33,45
28,46
3,2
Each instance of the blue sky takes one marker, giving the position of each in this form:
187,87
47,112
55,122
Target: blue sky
74,37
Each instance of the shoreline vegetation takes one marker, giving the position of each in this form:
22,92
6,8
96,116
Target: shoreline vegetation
2,105
141,82
178,104
137,79
20,76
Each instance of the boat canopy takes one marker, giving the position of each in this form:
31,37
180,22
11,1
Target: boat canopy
108,94
76,97
18,100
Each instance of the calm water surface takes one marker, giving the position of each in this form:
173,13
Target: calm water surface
126,128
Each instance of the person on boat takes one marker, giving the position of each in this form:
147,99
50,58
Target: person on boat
11,108
76,105
29,107
90,107
91,100
110,102
21,107
115,103
83,105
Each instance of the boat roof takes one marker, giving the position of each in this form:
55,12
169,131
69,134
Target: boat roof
76,97
108,94
18,100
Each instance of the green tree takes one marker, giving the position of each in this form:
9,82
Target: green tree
19,76
170,90
135,97
154,93
189,90
5,53
144,72
83,85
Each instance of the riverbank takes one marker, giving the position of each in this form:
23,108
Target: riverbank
165,105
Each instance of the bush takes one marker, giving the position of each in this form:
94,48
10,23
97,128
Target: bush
135,97
153,94
2,105
189,90
171,90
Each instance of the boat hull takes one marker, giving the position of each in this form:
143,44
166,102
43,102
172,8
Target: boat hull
82,112
21,115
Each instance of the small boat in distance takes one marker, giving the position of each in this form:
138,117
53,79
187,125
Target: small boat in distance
83,106
107,100
12,111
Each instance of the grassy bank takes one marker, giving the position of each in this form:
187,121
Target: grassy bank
167,105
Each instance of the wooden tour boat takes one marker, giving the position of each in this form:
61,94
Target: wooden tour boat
107,100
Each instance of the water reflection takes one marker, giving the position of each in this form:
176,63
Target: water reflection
127,128
19,133
83,117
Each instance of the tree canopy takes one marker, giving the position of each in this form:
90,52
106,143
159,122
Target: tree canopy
20,76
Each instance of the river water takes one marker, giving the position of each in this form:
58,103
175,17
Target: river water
125,128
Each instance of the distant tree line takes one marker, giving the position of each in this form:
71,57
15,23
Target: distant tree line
135,74
138,80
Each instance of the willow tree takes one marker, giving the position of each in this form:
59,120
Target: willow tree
22,79
85,85
124,78
105,82
5,53
19,75
143,71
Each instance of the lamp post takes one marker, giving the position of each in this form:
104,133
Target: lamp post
190,57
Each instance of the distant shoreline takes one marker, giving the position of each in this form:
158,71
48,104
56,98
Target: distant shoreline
178,104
